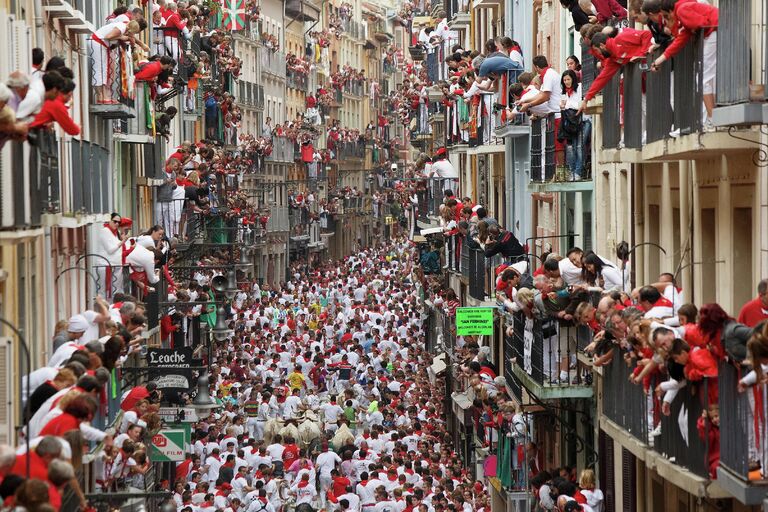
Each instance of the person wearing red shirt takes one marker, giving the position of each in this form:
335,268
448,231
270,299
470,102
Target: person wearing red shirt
80,409
136,394
619,48
152,70
40,457
684,19
756,310
54,110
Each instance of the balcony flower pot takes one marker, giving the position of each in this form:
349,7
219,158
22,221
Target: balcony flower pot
417,52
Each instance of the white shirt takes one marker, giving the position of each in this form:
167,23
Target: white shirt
326,461
444,169
570,273
142,260
574,100
109,246
551,84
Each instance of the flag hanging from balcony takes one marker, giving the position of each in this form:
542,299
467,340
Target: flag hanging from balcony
233,14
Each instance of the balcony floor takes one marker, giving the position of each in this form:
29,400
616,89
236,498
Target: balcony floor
561,186
550,392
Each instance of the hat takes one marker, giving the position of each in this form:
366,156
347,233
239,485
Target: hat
126,222
520,267
78,323
440,152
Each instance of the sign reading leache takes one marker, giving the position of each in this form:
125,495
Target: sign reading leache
170,367
474,321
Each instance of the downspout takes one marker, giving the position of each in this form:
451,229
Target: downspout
39,24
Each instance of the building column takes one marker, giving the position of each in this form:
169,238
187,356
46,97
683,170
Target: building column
578,218
686,233
724,215
666,227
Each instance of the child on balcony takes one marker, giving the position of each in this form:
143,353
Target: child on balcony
708,426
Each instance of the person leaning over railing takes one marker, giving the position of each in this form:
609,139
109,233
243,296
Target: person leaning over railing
684,18
103,67
54,108
618,49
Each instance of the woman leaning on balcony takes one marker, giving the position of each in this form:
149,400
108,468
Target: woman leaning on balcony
100,45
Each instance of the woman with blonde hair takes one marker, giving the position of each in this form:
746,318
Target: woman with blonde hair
64,379
104,68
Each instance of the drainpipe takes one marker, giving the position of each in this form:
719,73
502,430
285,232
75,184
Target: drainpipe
39,24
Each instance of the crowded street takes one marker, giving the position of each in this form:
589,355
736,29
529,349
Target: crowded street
384,256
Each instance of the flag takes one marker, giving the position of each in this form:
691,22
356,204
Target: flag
233,14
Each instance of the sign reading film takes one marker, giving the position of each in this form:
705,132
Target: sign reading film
474,321
170,368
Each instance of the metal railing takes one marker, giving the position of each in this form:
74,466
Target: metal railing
278,219
350,150
354,87
477,273
503,102
421,115
110,72
658,90
453,245
668,104
612,113
625,403
546,349
739,80
38,192
273,62
180,217
296,80
588,68
455,117
90,177
742,438
543,149
454,7
282,150
680,440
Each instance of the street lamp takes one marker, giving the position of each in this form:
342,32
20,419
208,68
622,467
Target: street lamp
220,331
203,401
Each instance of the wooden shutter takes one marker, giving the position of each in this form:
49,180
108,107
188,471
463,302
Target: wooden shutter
629,479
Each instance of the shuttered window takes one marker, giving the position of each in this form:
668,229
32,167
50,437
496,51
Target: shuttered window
629,481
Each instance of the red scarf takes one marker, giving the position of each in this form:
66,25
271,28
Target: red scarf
542,73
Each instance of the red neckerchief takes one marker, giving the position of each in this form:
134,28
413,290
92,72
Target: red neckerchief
108,225
303,484
569,91
542,73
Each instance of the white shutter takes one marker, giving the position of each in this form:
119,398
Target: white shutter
8,392
22,42
6,194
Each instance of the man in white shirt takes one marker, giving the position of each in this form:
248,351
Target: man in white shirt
550,89
325,463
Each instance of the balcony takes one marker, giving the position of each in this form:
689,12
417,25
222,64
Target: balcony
28,195
670,124
302,10
110,72
353,30
354,88
250,94
273,62
486,140
91,178
70,15
455,134
505,125
737,437
138,129
282,150
295,80
458,14
379,31
350,150
742,83
278,219
421,130
544,350
679,452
